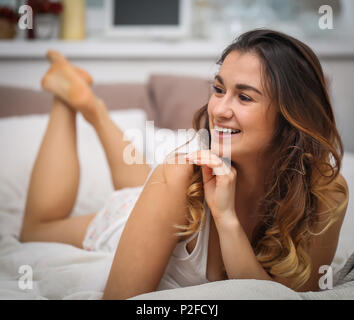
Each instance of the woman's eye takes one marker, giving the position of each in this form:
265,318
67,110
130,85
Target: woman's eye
217,90
242,97
245,98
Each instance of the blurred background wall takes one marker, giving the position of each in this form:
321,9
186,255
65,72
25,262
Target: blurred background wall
213,24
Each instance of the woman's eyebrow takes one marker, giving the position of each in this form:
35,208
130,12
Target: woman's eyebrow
240,86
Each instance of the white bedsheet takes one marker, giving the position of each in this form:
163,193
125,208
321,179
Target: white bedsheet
64,272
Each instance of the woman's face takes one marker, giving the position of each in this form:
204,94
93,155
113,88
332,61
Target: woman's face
240,103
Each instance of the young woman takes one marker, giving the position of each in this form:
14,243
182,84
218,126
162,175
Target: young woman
274,214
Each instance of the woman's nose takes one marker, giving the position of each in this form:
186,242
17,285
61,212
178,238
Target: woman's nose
223,109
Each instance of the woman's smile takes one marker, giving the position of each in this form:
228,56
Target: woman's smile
216,134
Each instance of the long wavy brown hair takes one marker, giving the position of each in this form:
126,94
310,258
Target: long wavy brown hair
307,151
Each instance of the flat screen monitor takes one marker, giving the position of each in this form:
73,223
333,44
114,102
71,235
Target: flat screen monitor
148,18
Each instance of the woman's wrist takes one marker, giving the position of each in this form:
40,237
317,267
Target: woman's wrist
226,221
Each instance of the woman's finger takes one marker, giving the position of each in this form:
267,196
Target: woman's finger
218,165
207,174
207,157
205,154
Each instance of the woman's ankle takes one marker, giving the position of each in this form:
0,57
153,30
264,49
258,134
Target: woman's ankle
61,107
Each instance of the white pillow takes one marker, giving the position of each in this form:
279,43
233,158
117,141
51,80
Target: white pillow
20,139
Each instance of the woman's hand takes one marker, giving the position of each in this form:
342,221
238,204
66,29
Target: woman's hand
219,189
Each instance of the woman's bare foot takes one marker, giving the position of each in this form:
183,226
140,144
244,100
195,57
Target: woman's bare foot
55,56
71,84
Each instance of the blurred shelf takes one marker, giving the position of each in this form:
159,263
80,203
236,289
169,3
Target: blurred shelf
98,49
123,49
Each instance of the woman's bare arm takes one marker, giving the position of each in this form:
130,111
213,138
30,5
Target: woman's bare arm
148,239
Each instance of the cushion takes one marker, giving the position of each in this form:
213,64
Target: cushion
117,96
125,96
22,101
176,99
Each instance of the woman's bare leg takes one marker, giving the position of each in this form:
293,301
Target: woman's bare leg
75,91
112,139
54,184
55,177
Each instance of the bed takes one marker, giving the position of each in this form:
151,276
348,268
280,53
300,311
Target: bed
60,271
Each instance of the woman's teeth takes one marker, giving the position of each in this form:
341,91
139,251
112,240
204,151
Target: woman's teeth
226,130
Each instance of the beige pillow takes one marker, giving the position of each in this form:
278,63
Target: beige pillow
17,101
176,99
23,101
119,96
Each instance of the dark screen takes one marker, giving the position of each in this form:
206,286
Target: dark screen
146,12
